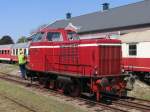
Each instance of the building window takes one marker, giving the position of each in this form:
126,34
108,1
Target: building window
132,49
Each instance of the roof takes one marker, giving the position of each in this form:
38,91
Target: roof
21,45
128,15
143,36
6,46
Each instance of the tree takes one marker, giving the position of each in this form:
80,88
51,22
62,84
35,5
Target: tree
6,40
22,39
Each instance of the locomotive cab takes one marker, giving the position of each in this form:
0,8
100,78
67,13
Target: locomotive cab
54,36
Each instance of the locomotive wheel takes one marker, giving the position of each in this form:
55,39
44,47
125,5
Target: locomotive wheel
52,84
73,89
41,81
44,82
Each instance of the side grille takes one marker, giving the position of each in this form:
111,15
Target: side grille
110,60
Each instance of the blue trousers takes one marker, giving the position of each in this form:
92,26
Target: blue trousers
23,70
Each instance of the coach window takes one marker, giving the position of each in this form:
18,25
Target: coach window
16,52
13,51
132,49
25,51
54,36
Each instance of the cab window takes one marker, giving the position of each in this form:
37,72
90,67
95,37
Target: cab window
54,36
72,36
37,37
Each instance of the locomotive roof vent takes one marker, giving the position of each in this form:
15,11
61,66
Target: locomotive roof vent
68,15
105,6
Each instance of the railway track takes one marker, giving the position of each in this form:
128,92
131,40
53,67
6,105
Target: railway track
131,103
30,109
117,104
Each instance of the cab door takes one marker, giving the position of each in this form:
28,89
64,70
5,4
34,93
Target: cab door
69,54
54,41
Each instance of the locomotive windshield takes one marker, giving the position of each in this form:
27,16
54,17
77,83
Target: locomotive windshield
73,36
54,36
37,37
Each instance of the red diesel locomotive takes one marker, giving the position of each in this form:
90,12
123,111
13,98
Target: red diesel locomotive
61,61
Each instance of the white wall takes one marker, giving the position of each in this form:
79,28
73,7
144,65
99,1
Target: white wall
144,50
125,50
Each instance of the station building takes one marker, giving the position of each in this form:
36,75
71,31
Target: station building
109,22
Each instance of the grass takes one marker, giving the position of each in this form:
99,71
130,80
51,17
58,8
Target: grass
34,100
8,106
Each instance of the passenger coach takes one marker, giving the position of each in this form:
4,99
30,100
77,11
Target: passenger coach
16,48
10,53
5,52
136,53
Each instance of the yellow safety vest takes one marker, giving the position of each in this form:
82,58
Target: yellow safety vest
21,59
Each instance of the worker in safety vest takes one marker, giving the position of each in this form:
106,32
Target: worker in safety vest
22,63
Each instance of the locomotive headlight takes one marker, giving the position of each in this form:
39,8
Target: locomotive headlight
95,70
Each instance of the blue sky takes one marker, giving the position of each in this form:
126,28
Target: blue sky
19,17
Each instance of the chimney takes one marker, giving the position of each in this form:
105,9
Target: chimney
105,6
68,15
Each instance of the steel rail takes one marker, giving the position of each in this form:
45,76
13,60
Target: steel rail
105,106
128,103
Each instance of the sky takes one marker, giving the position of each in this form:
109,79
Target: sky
20,17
